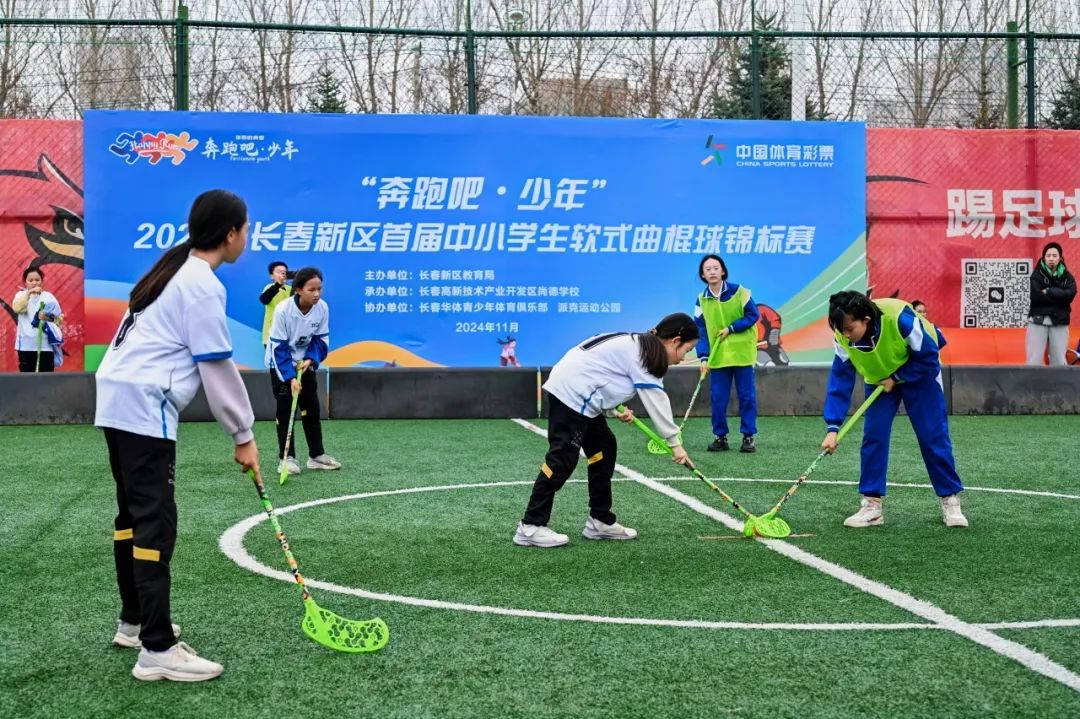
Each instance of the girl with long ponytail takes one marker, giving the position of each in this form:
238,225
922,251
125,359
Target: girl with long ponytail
173,338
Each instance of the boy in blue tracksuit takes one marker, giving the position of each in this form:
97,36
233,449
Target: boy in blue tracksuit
887,343
727,318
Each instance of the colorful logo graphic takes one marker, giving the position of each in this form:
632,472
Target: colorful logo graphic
248,148
133,145
715,154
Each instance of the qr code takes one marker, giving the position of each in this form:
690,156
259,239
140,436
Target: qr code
995,293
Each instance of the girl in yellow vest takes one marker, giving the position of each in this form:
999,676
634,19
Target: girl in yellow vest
727,318
890,345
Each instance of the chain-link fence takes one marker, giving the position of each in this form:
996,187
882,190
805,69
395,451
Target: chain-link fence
885,62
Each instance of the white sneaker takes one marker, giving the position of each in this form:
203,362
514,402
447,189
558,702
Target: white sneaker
293,467
950,508
595,529
127,635
323,461
869,514
178,663
535,535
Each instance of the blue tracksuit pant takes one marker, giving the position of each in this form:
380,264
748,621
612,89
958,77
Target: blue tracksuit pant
721,378
925,405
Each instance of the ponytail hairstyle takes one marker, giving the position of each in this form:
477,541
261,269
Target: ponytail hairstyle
213,215
850,302
654,356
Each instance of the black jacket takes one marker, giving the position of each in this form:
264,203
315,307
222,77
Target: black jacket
1051,296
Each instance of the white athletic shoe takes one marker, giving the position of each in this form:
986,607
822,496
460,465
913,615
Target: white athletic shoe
535,535
178,663
127,635
950,509
323,461
595,529
293,467
869,514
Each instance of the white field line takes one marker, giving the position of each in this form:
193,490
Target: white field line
1026,657
232,545
1000,490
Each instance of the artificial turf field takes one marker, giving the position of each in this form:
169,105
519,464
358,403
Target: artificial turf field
753,632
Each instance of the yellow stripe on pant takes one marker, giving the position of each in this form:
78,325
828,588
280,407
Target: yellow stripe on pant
147,555
121,535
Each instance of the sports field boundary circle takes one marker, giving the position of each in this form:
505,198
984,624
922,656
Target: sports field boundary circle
231,544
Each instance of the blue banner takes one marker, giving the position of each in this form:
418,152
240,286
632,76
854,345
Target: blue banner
478,240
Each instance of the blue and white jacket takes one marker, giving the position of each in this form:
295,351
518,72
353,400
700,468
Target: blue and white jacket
296,336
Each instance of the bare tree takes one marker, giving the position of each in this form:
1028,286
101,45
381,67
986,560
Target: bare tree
532,58
675,76
271,83
1059,60
699,65
582,84
57,70
16,49
156,51
840,66
983,72
209,81
924,70
93,71
295,12
261,78
731,16
449,93
1058,17
376,66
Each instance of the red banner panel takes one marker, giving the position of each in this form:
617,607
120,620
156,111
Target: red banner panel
958,219
41,223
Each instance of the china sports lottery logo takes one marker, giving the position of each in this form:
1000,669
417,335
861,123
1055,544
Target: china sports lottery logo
715,155
133,146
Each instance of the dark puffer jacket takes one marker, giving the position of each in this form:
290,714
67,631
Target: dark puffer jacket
1051,296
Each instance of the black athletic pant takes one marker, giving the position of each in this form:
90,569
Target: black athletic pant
568,432
309,413
145,531
28,360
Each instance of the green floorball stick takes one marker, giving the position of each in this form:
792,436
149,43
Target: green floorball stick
40,332
660,447
771,514
283,473
759,526
322,625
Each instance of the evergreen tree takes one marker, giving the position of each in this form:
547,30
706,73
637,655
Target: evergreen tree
737,101
1065,114
326,97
